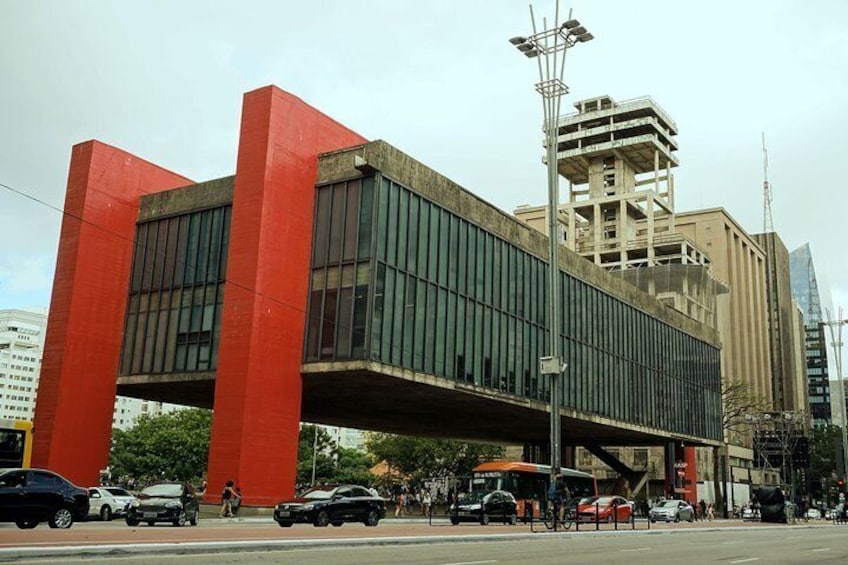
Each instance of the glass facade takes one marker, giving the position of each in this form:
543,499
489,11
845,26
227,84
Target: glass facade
176,293
401,280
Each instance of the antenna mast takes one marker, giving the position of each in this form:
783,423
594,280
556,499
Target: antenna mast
768,223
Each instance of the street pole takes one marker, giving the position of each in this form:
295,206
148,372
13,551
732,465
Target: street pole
836,341
549,45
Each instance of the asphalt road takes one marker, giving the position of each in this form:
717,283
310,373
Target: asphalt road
822,546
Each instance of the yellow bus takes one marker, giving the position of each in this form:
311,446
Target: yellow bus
15,444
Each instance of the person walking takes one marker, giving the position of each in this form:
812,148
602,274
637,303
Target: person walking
426,501
399,505
227,498
710,511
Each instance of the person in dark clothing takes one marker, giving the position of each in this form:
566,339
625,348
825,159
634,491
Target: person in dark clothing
227,498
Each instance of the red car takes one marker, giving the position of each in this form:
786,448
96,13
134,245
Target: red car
604,509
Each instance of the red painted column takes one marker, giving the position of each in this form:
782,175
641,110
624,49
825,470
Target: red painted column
258,383
76,392
690,472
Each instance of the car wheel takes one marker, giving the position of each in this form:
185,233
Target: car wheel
676,518
151,523
372,519
285,524
484,519
132,521
513,519
610,519
106,514
322,520
653,520
61,518
454,521
337,524
26,524
195,517
181,519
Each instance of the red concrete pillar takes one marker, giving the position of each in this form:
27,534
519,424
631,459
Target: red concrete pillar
690,473
76,392
258,382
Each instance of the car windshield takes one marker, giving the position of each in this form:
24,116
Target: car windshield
117,491
320,493
667,504
600,500
475,496
580,500
169,490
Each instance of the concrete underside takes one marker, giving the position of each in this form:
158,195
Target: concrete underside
371,396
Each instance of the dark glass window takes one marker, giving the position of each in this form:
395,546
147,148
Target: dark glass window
176,293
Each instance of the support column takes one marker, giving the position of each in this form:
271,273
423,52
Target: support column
258,383
76,393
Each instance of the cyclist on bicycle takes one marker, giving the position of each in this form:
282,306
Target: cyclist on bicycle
561,495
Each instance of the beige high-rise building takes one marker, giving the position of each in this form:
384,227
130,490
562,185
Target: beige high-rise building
742,314
789,382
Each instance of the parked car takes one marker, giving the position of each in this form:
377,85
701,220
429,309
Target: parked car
483,507
164,502
814,514
750,514
30,496
331,504
108,502
672,511
605,509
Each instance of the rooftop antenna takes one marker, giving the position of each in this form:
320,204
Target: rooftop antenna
768,223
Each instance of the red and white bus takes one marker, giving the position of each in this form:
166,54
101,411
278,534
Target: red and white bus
529,481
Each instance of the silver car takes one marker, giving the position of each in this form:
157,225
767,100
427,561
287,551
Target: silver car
672,511
107,502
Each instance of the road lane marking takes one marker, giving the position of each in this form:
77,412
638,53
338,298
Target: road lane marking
822,549
471,562
636,549
746,560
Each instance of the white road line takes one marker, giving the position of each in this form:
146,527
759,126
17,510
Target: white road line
746,560
636,549
471,562
822,549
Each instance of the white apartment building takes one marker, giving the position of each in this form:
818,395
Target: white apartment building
22,332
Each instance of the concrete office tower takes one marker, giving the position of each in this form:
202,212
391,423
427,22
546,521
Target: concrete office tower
789,384
618,158
806,291
21,340
743,323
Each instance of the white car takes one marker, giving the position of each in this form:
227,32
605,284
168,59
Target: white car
107,502
814,514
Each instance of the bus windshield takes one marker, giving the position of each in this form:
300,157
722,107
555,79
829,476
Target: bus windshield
15,443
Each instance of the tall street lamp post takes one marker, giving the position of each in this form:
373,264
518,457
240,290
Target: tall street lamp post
836,342
549,47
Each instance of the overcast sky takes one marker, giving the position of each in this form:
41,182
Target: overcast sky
437,79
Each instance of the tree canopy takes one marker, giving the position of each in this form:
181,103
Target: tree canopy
420,458
168,446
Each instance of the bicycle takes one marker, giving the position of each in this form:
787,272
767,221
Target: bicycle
551,518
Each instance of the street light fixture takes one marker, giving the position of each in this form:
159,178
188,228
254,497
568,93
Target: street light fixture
552,44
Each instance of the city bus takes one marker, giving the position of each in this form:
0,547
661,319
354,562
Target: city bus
15,443
529,481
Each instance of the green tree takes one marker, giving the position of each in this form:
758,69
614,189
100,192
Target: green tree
310,438
825,451
169,446
420,458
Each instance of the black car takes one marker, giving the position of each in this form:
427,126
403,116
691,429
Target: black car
483,507
174,503
334,505
30,496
